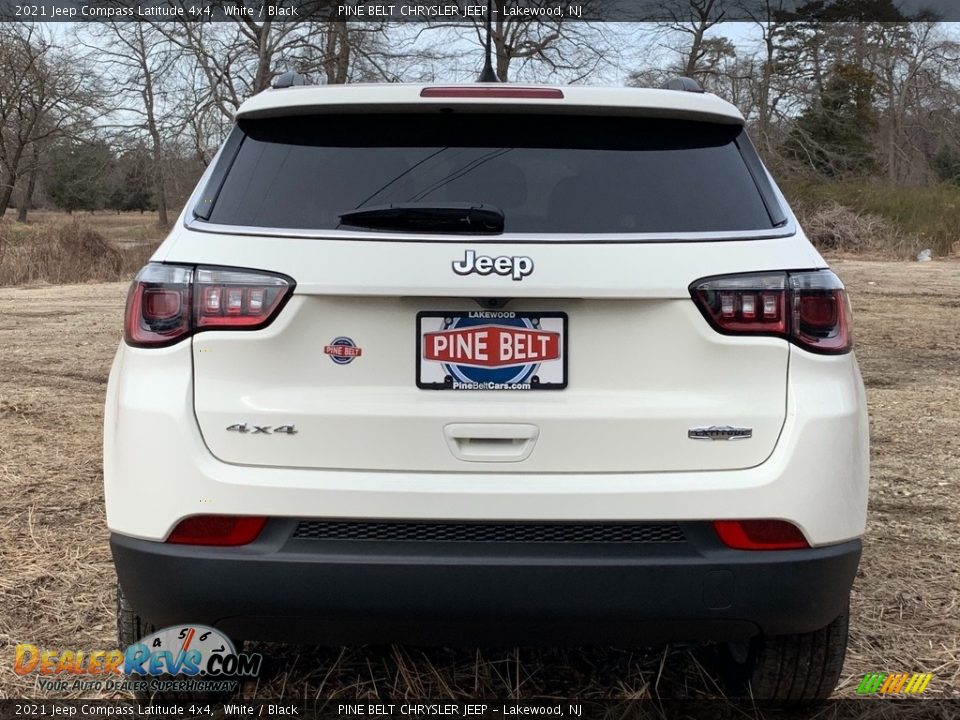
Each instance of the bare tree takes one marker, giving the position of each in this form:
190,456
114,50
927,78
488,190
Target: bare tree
238,59
141,60
203,125
912,63
542,46
773,78
338,49
684,31
44,92
26,193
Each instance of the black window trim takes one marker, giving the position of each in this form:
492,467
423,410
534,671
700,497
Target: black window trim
211,191
760,178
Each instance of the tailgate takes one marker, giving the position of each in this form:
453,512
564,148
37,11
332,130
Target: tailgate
639,374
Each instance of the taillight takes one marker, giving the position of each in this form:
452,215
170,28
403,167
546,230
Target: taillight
220,530
237,298
760,535
167,303
821,317
810,309
158,306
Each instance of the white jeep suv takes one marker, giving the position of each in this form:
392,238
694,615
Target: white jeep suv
490,364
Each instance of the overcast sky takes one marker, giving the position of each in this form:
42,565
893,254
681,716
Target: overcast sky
633,45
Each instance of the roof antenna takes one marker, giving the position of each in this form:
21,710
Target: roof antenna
487,75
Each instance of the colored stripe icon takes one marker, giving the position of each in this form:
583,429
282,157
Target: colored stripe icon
895,683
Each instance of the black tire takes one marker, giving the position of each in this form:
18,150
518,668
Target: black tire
131,627
787,670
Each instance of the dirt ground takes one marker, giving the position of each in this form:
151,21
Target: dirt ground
56,578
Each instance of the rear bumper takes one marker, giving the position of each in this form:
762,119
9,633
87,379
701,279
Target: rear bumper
464,593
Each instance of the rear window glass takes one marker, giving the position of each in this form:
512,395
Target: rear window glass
547,173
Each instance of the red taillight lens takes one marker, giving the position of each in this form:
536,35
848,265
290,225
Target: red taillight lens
158,306
760,535
808,308
167,303
220,530
744,303
161,304
821,319
238,298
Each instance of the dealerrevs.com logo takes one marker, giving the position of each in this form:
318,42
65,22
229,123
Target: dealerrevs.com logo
184,658
894,683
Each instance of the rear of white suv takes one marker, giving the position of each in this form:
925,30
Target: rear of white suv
490,364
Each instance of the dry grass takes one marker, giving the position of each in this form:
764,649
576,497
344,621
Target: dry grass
835,229
57,248
125,227
929,215
67,253
56,578
906,602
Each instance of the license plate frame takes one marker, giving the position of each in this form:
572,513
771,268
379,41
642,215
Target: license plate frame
516,329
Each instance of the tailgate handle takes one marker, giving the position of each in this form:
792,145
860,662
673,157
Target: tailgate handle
491,442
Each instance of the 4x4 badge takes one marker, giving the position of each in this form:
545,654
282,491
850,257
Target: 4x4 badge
516,266
244,428
720,432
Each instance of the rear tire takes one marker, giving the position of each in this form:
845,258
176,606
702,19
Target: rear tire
131,627
787,670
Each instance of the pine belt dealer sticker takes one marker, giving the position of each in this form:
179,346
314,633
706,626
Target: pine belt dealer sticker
342,350
491,350
183,658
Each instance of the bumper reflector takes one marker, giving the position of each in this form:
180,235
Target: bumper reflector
760,535
221,530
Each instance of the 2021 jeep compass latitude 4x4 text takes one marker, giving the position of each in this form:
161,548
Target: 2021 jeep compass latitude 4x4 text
492,364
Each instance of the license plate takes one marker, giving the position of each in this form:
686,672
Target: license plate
491,350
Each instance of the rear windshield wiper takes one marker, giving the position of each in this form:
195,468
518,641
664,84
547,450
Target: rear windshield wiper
454,217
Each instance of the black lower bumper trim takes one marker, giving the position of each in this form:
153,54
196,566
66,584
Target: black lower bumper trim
467,594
